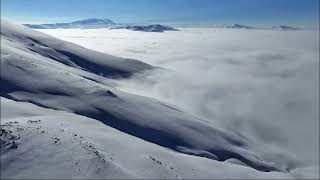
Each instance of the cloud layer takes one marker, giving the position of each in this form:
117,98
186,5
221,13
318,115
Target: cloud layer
263,85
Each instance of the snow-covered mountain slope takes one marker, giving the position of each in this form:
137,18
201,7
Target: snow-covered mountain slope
67,53
43,143
83,24
54,93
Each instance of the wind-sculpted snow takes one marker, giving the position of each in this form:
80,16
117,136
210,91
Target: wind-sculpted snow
81,147
58,83
70,54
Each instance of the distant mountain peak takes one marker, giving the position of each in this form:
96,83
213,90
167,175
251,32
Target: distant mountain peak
148,28
284,28
237,26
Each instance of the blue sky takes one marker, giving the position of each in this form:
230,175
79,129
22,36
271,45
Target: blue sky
251,12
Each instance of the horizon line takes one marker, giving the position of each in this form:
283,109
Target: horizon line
173,23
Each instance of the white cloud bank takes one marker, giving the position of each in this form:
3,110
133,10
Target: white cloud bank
263,85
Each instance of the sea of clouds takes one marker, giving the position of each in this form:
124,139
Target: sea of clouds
261,84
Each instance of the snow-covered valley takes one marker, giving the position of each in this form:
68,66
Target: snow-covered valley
197,103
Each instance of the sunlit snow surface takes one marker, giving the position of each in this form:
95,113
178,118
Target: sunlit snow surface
223,104
261,84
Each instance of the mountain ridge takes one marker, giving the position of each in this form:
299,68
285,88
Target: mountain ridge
147,28
96,23
85,24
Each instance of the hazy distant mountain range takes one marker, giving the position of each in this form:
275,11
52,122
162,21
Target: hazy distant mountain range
84,24
239,26
148,28
284,28
107,23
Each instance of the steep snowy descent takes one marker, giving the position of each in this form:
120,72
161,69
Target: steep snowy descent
71,54
80,147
